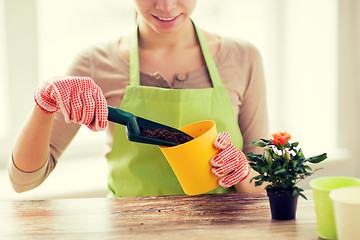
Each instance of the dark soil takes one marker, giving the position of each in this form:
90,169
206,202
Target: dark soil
165,135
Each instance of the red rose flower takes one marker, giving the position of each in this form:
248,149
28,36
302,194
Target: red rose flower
282,138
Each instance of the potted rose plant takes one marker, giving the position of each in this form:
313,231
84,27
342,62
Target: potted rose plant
282,165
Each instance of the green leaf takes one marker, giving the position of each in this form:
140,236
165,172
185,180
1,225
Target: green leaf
275,156
302,195
308,168
261,144
318,158
254,157
254,143
281,171
267,141
257,177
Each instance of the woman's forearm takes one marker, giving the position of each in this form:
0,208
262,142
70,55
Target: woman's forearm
246,186
32,145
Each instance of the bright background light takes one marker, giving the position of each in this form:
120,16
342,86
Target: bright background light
297,40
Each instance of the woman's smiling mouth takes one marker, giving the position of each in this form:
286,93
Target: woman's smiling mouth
166,19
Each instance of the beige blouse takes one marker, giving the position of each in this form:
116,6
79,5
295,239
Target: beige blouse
240,67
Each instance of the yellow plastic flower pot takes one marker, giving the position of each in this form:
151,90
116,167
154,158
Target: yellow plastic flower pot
190,161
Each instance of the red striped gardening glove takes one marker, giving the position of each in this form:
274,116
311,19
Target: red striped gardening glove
79,98
230,163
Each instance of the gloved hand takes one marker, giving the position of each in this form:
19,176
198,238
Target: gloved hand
230,163
79,98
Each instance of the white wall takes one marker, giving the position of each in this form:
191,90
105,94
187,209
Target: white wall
348,90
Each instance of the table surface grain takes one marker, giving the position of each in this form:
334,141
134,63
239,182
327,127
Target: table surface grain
217,216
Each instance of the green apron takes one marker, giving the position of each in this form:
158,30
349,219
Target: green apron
137,169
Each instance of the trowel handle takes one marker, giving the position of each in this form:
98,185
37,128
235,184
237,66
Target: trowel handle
119,116
124,118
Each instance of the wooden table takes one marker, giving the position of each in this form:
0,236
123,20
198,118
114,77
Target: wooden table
221,216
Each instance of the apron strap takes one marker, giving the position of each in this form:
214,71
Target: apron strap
210,63
134,66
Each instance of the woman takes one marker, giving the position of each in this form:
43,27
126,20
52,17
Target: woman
168,63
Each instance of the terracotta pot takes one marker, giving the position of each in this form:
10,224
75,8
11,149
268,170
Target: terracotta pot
282,204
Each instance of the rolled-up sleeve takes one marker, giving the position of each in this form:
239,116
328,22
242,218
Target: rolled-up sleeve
23,181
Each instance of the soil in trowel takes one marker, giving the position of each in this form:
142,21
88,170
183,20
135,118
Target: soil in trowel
165,135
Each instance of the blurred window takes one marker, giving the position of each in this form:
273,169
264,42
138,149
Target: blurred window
297,39
4,119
